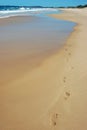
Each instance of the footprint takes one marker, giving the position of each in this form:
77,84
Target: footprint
66,49
69,54
54,118
64,79
72,67
67,95
54,123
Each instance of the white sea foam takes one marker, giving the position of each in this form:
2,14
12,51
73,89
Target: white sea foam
24,11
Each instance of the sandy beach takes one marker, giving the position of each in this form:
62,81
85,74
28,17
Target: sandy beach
53,95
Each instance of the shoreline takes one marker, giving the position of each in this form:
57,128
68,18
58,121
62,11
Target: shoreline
52,96
72,112
19,53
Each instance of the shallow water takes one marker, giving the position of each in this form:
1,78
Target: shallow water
26,41
34,33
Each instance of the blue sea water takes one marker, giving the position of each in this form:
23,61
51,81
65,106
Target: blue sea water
9,11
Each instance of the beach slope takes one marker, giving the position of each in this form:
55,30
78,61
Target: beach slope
72,105
53,95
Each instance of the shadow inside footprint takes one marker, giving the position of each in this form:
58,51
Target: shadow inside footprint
67,95
54,123
69,54
72,67
66,49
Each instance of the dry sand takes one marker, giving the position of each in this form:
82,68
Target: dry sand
53,95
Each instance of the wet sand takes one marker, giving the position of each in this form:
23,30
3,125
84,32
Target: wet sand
53,95
26,41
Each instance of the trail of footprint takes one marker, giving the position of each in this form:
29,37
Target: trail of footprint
69,54
67,94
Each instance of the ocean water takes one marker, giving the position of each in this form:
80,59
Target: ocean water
9,11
